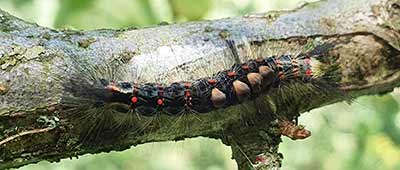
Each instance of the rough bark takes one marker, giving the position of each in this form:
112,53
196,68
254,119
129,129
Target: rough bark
33,129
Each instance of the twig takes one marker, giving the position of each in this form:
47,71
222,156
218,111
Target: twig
25,133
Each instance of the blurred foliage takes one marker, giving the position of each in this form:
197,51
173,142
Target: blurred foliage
364,135
180,9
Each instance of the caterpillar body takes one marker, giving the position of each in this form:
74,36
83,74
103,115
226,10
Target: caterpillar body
107,102
224,89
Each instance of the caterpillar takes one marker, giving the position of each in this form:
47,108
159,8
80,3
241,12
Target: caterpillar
229,87
108,103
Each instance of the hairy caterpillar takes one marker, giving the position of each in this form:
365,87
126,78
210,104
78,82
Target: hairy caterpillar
109,103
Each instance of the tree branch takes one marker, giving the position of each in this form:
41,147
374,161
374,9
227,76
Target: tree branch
366,34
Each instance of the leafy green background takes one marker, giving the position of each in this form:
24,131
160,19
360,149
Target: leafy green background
363,135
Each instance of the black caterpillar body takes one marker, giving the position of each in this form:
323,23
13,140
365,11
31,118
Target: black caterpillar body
197,96
97,96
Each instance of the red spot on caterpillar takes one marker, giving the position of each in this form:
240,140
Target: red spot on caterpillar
293,131
231,74
309,73
134,99
212,81
187,93
187,85
160,102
